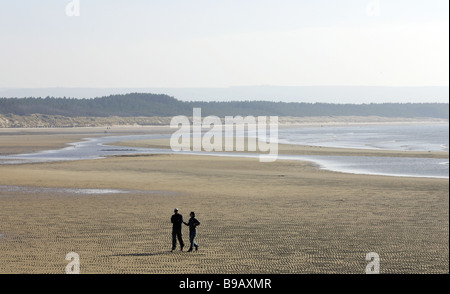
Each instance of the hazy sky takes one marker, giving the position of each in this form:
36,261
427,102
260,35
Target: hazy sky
221,43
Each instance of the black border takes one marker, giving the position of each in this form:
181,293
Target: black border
280,283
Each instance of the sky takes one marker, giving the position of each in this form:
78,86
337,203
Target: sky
223,43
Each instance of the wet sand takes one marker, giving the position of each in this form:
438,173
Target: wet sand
28,140
280,217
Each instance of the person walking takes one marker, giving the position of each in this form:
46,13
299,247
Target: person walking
193,223
177,221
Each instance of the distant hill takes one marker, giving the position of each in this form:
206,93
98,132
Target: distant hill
148,105
308,94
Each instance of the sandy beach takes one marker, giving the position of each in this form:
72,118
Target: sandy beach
291,149
279,217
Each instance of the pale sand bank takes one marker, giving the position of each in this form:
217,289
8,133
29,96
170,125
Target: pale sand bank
291,149
55,121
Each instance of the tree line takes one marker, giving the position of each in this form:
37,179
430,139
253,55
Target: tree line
142,104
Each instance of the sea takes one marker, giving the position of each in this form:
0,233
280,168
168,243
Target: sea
419,137
397,137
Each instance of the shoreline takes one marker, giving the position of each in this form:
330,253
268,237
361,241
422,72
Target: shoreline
287,122
318,155
67,123
297,149
21,140
328,159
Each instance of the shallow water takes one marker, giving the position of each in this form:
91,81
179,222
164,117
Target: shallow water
393,166
90,148
43,190
428,137
59,190
361,137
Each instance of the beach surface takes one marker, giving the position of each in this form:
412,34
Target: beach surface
278,217
292,149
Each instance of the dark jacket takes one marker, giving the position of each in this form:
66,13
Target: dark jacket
177,220
193,223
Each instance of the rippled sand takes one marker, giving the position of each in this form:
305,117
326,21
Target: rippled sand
281,217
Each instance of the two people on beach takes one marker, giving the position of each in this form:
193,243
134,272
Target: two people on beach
177,221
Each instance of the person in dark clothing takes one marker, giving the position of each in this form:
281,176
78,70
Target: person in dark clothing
193,223
177,221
